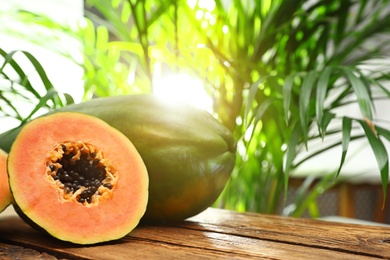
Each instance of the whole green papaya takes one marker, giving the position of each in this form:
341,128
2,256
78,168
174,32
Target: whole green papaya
189,155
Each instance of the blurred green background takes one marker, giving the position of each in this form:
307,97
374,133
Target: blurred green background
278,74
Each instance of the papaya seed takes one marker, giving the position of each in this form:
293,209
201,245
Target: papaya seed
107,185
79,169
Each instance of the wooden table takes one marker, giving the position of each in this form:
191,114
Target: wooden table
213,234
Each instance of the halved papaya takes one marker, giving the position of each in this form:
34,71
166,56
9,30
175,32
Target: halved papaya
5,195
188,153
77,178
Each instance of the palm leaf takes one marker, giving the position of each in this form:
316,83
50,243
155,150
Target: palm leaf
361,90
346,137
291,153
287,87
250,99
322,89
259,113
9,59
56,99
304,102
380,153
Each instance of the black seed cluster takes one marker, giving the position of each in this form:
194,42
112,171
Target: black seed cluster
86,172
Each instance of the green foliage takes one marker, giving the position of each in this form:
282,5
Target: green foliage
277,72
18,86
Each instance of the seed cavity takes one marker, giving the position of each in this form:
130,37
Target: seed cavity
81,172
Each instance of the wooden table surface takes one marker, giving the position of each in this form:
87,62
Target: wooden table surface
212,234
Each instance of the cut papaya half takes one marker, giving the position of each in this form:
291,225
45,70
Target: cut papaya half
77,178
5,195
188,153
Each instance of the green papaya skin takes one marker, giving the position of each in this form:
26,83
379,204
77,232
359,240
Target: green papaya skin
189,155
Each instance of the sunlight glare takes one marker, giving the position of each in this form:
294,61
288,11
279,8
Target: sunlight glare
199,14
191,3
206,4
183,88
225,29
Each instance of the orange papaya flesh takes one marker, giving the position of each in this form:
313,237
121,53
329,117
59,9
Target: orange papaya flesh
188,153
77,178
5,194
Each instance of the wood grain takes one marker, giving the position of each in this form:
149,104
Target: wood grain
352,238
217,234
12,252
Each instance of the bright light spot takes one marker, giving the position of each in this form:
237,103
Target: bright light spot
199,14
83,24
183,88
248,133
213,20
264,164
206,4
239,120
225,29
241,149
191,3
227,64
